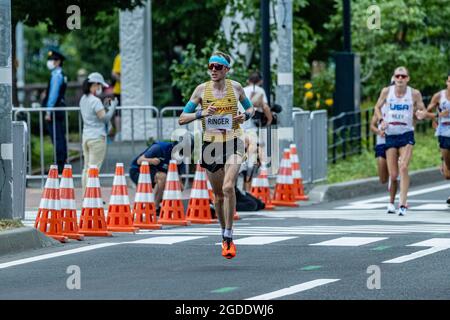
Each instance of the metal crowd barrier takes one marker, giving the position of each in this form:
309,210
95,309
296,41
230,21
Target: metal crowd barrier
143,123
310,136
127,148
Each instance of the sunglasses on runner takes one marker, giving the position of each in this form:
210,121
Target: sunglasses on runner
216,66
401,76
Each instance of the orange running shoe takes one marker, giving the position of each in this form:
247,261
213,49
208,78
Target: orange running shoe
228,249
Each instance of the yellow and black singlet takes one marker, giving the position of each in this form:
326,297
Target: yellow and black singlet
220,127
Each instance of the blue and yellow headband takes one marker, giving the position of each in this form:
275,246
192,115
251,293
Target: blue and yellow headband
219,59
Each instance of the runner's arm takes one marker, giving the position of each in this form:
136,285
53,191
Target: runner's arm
380,103
189,114
374,125
419,106
245,102
434,103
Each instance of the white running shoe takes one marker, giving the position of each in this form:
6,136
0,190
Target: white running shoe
390,208
402,211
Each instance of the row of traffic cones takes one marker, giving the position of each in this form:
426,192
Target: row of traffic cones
57,211
289,186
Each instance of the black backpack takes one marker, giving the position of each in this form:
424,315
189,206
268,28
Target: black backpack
247,202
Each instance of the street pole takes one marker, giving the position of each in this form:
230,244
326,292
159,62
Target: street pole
6,146
285,80
265,46
347,26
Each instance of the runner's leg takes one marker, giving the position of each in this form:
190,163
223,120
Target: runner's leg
446,163
405,157
232,166
392,165
216,180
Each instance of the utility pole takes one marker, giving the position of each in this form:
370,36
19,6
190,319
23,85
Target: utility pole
6,146
285,73
265,46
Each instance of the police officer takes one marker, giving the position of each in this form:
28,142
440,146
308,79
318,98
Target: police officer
54,98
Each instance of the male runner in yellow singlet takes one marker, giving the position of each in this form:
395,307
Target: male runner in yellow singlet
223,146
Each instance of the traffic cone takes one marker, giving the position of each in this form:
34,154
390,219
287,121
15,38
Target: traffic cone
236,216
92,220
284,192
172,209
144,211
68,208
210,189
119,217
260,188
49,219
199,210
299,189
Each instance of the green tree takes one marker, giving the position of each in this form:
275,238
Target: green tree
413,33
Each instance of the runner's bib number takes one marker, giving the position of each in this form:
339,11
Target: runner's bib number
219,122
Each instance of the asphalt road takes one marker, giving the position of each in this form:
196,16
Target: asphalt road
341,250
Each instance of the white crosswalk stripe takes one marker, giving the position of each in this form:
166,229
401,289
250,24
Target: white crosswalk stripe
308,230
348,241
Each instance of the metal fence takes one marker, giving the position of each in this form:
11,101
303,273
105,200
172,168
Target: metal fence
143,124
349,133
310,136
120,151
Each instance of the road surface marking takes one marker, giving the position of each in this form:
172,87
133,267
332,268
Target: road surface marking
348,241
310,268
363,206
436,244
56,254
381,248
431,206
224,290
257,241
294,289
163,240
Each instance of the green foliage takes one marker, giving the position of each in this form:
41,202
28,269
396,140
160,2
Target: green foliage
191,70
6,224
413,33
54,14
426,154
322,88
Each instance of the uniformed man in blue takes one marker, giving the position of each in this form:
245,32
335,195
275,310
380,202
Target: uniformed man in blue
54,98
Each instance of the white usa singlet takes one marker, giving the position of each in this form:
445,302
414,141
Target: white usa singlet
400,111
443,128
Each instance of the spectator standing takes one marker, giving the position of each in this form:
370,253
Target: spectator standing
95,116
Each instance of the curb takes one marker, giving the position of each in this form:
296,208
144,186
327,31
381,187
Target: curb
370,186
22,239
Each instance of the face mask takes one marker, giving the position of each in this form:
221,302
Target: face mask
98,91
50,64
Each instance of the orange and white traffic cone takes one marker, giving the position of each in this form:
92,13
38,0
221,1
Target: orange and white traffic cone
199,210
49,219
284,192
68,207
299,189
119,217
92,220
260,188
144,209
172,209
210,189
